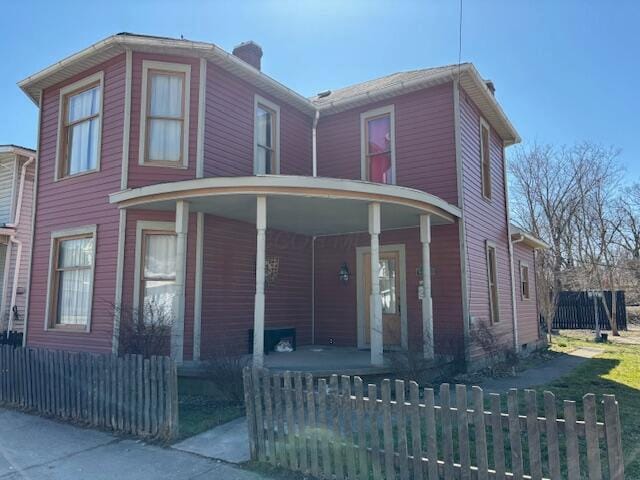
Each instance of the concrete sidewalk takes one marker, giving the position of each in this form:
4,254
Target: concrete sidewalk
32,447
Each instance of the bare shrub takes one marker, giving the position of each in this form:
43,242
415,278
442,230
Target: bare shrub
495,352
224,371
146,332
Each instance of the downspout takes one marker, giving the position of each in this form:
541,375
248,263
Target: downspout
313,290
514,308
314,143
13,239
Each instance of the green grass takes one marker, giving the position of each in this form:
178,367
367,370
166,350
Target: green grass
616,371
202,407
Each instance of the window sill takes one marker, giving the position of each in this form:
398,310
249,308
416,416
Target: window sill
68,329
176,166
76,175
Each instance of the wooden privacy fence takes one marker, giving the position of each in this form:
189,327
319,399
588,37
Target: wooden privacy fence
575,310
127,394
339,430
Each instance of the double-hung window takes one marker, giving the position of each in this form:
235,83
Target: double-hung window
378,145
158,276
71,279
492,277
165,114
80,127
266,137
524,281
485,159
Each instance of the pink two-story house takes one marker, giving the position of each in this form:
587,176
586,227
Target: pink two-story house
372,218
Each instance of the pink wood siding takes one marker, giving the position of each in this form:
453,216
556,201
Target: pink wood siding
336,304
140,175
425,143
228,146
485,220
526,309
75,202
133,216
228,285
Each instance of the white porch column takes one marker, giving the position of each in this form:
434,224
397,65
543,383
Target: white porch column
427,306
258,312
177,329
375,302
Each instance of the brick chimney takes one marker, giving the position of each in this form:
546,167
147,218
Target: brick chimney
249,52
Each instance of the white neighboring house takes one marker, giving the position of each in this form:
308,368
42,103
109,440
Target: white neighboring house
17,174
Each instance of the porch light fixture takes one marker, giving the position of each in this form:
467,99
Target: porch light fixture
344,274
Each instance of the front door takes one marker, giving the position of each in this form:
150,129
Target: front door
390,294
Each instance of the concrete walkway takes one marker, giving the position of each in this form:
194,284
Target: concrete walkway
541,374
228,442
33,448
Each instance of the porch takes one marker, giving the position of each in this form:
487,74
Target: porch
317,207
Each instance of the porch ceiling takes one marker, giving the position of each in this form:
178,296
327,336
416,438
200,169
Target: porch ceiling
304,205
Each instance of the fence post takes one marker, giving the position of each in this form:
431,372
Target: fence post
311,409
447,431
497,434
533,432
302,441
591,431
416,434
463,432
613,433
324,426
480,433
571,437
514,434
349,448
248,403
337,434
430,429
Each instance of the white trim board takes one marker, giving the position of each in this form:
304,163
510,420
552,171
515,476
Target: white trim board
257,101
402,271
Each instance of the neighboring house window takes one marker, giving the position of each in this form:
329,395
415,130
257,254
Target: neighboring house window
80,127
266,137
492,278
524,280
485,159
164,128
71,278
377,131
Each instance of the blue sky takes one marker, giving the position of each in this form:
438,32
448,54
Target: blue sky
564,71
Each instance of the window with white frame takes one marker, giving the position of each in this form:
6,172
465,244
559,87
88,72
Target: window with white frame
377,131
492,278
524,281
158,276
485,158
266,137
80,127
164,128
70,289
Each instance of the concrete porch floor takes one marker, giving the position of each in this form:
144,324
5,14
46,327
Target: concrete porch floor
326,360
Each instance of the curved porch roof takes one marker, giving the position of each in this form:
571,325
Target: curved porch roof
305,205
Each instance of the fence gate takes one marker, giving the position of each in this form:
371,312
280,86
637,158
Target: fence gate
340,430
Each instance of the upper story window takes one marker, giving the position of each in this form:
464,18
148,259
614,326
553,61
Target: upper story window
377,132
485,158
266,137
70,288
524,281
80,127
164,127
492,277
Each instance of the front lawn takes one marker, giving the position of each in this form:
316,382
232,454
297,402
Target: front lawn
616,371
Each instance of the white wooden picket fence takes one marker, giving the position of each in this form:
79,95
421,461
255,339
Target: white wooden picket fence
337,430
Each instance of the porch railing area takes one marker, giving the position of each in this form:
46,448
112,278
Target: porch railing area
343,429
129,394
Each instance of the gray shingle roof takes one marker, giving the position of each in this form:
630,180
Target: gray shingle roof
371,86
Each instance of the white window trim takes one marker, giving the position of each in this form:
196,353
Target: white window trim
142,226
493,319
525,265
483,123
55,237
169,67
258,100
387,110
96,77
